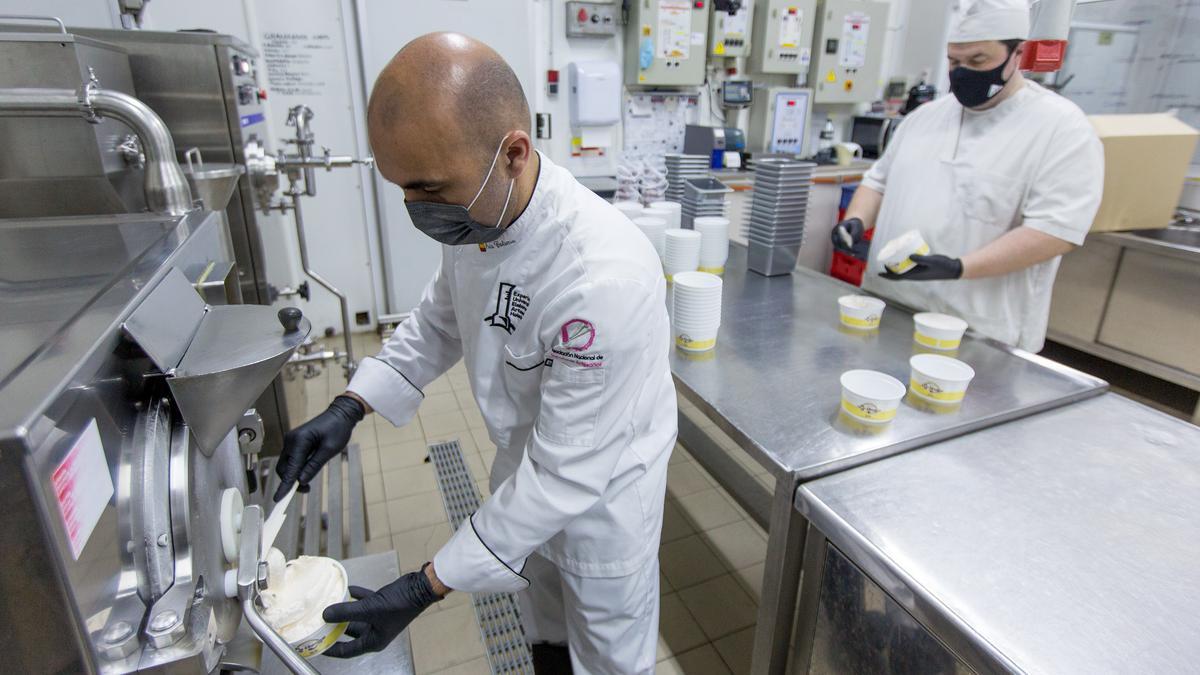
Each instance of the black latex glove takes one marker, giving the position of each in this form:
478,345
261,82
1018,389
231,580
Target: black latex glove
929,268
852,227
377,618
307,447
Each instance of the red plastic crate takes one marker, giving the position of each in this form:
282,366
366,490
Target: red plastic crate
848,268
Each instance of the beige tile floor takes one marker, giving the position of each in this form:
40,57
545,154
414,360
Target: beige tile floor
711,557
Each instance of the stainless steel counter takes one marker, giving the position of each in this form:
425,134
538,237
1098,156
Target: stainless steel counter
1179,242
772,384
368,571
1065,542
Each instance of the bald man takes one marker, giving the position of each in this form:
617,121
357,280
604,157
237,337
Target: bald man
557,305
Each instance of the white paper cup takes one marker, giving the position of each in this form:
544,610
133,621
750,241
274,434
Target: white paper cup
861,312
696,340
938,331
682,252
939,379
696,310
674,209
654,228
870,396
714,244
895,255
630,209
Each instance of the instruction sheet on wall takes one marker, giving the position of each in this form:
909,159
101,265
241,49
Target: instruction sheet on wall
654,123
674,29
855,29
290,58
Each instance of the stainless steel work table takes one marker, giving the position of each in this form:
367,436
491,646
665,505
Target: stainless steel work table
1064,542
772,384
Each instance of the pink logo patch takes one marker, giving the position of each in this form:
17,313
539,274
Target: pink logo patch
578,335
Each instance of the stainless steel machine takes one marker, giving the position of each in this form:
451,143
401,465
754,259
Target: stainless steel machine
204,87
126,380
121,395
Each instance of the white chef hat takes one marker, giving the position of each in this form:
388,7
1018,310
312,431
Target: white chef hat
977,20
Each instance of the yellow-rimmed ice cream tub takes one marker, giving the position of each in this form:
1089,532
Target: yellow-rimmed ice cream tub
296,598
860,312
938,331
896,255
870,396
939,379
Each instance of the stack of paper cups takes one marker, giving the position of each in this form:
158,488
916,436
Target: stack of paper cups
654,229
672,210
682,252
630,209
696,310
714,245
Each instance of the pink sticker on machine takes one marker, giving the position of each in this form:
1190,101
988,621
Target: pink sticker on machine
82,487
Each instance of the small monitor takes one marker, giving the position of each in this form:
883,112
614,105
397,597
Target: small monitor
737,93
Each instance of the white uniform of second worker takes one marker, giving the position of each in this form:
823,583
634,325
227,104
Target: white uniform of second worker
965,177
563,328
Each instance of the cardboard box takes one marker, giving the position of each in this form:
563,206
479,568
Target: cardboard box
1146,159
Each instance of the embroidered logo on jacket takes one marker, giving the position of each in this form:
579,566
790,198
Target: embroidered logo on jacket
511,306
575,339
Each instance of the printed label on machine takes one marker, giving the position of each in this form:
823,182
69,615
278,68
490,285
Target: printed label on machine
82,487
789,27
674,29
855,29
734,25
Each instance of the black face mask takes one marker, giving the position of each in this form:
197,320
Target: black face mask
452,223
973,88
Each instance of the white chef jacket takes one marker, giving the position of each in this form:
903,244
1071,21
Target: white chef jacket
563,326
964,177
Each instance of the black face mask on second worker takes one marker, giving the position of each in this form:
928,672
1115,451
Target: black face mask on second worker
973,88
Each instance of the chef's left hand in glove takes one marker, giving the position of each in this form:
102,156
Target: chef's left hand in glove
929,268
376,618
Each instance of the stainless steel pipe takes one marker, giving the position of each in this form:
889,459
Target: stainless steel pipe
351,365
165,186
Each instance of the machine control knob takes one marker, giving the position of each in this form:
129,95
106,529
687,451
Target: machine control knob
289,318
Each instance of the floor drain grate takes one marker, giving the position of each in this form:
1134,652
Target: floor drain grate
497,614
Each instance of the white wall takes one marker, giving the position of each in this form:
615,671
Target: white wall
339,220
345,241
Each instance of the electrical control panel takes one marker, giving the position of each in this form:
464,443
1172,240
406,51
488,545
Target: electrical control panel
783,36
592,19
666,42
848,58
779,121
730,33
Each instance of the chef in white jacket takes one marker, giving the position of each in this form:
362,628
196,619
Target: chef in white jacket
556,302
1002,178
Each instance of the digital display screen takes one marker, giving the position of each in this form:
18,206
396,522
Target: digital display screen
736,92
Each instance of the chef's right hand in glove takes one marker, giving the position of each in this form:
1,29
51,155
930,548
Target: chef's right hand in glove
377,618
847,236
309,446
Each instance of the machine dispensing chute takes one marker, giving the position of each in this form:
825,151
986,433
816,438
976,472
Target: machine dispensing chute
216,359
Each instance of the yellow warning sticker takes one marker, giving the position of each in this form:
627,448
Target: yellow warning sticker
719,49
645,30
831,77
641,78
